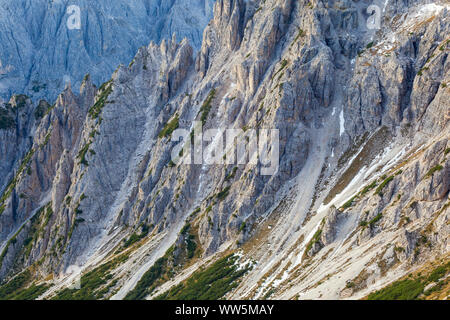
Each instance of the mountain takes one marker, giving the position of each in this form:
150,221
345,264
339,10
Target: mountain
348,195
42,48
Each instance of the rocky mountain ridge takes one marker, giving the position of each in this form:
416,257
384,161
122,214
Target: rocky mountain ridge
360,197
42,46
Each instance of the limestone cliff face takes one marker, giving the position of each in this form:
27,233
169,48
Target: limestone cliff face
17,119
43,176
363,171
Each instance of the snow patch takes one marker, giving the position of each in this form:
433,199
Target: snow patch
341,123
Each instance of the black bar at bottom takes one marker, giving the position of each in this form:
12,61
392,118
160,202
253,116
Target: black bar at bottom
187,310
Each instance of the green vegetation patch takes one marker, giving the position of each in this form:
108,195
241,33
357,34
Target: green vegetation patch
94,284
42,109
439,273
46,139
176,258
211,283
377,218
231,175
82,154
104,92
169,128
223,194
434,170
400,290
380,188
207,105
6,119
38,224
412,288
284,64
363,224
315,239
136,237
19,289
300,34
349,203
366,189
12,184
372,222
21,101
191,245
11,241
152,278
369,187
